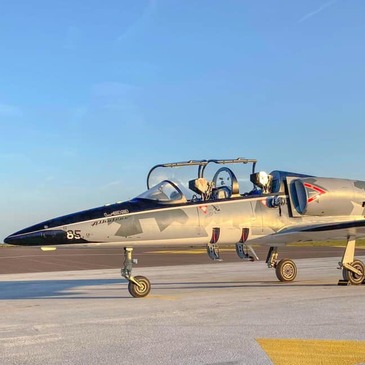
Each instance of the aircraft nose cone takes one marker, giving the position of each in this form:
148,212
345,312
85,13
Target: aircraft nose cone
21,240
38,238
7,240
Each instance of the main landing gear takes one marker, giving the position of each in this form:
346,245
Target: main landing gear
138,286
353,271
285,269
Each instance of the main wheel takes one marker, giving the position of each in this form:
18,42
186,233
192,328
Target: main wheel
139,292
355,279
286,270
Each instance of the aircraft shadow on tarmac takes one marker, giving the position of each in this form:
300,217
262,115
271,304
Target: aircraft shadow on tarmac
80,289
59,289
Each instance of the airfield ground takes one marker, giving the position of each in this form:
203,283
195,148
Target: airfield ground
70,306
32,259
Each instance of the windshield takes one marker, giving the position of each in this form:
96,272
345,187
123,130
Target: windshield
164,192
180,173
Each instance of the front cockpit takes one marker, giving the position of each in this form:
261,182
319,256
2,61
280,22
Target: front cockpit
165,192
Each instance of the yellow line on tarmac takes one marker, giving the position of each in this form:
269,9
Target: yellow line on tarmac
48,248
314,352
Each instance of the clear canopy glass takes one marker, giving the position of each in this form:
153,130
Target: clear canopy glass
197,180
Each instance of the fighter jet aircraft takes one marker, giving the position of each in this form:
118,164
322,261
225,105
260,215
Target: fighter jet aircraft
216,203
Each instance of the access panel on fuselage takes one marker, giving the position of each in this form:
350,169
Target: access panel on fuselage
229,216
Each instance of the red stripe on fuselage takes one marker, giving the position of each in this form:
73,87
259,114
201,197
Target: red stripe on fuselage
315,188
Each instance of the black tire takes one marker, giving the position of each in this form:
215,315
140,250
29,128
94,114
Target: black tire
353,278
286,270
139,292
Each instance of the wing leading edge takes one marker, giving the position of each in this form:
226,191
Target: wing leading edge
319,232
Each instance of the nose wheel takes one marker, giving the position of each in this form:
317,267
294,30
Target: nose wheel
141,289
138,286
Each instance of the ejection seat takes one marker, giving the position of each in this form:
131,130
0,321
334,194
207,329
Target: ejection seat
222,192
225,191
202,187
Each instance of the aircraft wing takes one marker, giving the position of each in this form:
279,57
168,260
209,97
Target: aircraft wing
319,232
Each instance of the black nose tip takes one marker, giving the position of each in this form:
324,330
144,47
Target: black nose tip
39,238
14,240
7,240
28,239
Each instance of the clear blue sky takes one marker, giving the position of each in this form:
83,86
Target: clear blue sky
93,93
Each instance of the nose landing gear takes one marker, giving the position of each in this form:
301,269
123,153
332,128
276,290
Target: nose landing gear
138,286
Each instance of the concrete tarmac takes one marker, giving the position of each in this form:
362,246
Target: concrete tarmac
217,313
66,258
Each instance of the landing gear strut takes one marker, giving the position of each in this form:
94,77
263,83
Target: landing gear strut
138,286
353,271
285,269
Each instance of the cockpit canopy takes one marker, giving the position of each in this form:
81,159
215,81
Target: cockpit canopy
199,180
164,192
209,180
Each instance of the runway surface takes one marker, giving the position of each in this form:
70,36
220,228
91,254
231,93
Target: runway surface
32,259
216,313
